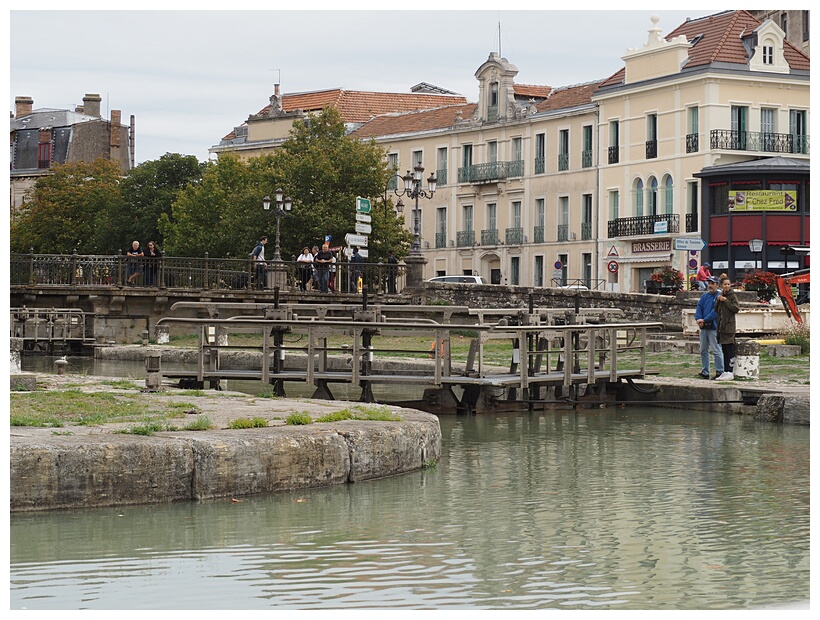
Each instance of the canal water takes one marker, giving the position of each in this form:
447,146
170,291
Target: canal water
616,509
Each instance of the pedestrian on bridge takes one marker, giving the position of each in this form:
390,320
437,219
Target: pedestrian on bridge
322,262
134,268
260,266
305,261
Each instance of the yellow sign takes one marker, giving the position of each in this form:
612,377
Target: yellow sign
762,200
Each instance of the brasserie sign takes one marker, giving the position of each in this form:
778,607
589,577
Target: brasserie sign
663,245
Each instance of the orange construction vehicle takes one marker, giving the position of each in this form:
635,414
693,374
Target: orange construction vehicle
784,283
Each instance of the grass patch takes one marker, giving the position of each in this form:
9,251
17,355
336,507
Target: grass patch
190,393
202,423
148,428
121,384
298,419
267,392
360,412
239,423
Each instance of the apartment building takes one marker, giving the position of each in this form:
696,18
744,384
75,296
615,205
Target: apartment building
43,137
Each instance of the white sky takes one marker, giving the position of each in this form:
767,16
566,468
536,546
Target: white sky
190,76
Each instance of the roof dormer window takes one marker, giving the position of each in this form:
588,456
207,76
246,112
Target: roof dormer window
492,102
768,55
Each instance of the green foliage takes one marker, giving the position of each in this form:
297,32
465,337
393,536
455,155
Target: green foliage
69,210
298,418
429,464
248,423
667,276
798,334
148,428
202,423
121,384
359,412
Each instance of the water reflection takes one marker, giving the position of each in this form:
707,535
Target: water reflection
611,509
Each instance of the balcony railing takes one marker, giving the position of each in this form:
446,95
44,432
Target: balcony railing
691,143
441,176
732,140
465,238
563,232
492,113
538,234
539,165
563,161
586,159
651,149
489,237
441,240
586,230
643,225
613,154
514,236
493,171
692,222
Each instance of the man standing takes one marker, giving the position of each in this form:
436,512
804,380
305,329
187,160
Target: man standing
322,263
706,317
356,261
258,256
727,307
134,268
703,275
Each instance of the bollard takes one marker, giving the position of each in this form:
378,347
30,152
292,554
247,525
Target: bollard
163,334
747,359
61,364
144,337
153,375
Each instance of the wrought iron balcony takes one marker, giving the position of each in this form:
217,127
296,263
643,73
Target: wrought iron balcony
538,234
692,222
651,149
441,176
613,154
465,238
563,161
642,225
732,140
563,232
586,230
691,143
586,159
489,237
539,165
514,236
492,113
493,171
441,240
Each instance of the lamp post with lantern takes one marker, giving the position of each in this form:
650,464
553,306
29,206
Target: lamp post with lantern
756,247
283,205
413,189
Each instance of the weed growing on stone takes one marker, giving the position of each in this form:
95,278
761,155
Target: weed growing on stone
202,423
122,384
429,464
298,418
239,423
148,428
267,392
191,393
359,412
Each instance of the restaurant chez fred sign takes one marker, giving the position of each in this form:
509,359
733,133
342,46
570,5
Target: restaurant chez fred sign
663,245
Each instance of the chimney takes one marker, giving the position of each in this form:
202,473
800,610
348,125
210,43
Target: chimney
116,119
91,104
23,106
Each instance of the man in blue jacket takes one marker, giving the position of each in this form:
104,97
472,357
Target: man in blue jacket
706,317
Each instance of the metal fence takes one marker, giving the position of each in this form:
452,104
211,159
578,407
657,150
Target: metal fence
179,272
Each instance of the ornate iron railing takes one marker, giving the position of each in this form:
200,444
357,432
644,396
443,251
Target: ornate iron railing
586,159
642,225
563,161
489,236
441,176
732,140
514,236
691,143
178,272
691,222
441,240
539,165
651,149
563,232
586,230
465,238
492,171
613,154
538,234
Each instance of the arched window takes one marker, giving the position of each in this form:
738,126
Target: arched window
653,196
668,194
638,191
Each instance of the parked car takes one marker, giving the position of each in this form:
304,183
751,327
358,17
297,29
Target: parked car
458,279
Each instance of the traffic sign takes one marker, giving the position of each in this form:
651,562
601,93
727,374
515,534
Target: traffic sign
363,217
365,229
362,205
360,240
612,266
689,243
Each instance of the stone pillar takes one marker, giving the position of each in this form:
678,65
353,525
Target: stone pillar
163,334
16,351
747,359
415,270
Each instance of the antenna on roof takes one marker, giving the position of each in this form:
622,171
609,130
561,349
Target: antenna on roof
499,35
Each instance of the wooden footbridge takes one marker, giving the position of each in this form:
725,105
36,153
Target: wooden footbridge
555,355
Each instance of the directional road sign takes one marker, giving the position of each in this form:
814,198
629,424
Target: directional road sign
359,240
365,229
362,205
363,217
689,243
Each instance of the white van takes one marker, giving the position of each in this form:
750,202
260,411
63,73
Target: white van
458,279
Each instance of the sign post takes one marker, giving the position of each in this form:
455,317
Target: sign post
695,244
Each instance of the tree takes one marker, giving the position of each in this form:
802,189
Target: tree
148,191
69,209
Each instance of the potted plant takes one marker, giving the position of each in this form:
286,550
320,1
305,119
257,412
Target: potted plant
666,280
763,282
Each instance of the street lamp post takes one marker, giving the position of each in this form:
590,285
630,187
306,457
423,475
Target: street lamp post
283,205
413,189
756,247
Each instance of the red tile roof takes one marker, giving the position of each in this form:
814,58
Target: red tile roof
569,96
426,120
720,41
360,106
532,90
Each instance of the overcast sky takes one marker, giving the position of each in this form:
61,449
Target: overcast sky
189,77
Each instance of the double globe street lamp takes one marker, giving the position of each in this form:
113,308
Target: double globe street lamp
283,204
413,189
